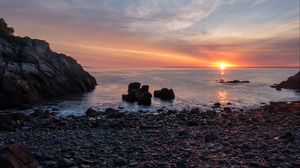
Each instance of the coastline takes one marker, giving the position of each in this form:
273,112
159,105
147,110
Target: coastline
264,137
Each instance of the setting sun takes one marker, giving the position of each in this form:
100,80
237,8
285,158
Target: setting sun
222,66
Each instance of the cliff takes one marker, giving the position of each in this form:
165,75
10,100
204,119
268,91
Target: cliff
292,82
30,71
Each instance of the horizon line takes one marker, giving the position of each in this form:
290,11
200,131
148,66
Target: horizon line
198,67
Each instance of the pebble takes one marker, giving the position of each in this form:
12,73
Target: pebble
174,138
65,162
119,161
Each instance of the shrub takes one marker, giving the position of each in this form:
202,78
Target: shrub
5,31
8,33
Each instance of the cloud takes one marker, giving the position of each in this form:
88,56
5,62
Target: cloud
199,31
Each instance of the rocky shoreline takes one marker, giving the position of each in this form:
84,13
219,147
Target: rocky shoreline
265,137
31,72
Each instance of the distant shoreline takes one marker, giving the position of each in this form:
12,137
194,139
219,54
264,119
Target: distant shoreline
170,67
235,67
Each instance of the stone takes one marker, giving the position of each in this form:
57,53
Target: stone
287,137
292,82
145,88
91,112
134,86
165,94
227,110
40,113
17,156
210,137
138,94
65,162
119,161
217,105
145,99
192,123
13,121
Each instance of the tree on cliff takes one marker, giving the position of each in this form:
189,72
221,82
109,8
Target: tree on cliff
5,31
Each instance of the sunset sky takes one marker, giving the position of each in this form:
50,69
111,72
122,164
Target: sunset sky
162,33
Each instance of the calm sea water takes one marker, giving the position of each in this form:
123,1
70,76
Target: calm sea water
192,87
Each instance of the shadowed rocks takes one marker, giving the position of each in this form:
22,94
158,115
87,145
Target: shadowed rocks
138,94
30,71
292,82
13,121
165,94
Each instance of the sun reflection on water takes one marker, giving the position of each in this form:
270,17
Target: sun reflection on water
222,96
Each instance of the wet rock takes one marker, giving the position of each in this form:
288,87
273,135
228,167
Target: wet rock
120,161
227,110
274,85
17,156
164,94
145,88
292,82
65,162
217,105
181,164
91,112
287,137
136,94
145,99
134,86
130,97
40,113
84,166
192,123
210,137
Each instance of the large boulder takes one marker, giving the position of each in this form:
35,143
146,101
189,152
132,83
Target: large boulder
138,94
292,82
31,71
17,156
164,94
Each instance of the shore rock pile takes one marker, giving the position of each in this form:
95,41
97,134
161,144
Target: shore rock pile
31,71
138,94
267,136
165,94
292,82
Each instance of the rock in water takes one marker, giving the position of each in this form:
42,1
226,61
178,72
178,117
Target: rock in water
233,81
17,156
31,71
164,94
139,94
292,82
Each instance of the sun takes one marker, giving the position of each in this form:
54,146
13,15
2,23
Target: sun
222,66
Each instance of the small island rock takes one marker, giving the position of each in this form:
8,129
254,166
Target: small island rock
138,94
164,94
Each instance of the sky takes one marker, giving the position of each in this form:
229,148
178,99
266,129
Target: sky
163,33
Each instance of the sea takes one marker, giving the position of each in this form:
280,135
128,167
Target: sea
193,87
